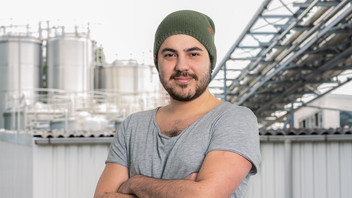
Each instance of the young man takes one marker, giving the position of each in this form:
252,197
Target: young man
196,146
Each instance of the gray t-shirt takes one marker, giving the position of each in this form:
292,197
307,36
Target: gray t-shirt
140,146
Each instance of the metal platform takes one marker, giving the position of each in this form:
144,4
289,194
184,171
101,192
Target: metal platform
290,54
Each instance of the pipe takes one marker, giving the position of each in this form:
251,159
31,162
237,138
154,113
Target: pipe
306,138
286,139
65,141
288,169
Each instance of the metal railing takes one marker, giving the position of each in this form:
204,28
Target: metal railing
35,107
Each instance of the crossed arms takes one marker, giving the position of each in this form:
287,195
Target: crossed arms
221,173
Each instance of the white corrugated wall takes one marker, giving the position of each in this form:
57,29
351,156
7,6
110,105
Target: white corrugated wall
292,167
69,171
319,169
15,170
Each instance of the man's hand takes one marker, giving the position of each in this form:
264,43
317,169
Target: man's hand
192,177
125,188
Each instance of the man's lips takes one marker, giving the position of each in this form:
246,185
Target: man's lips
183,79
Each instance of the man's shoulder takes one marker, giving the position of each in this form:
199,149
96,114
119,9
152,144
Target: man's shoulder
233,108
137,119
234,111
141,114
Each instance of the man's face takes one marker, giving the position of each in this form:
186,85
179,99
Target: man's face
184,67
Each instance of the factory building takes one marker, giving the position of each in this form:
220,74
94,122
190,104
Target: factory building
61,103
55,84
53,79
330,111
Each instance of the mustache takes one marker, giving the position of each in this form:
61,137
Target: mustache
183,74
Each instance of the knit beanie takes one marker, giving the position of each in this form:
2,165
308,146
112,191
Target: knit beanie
192,23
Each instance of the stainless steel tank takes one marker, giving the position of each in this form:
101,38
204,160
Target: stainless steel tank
20,70
14,120
70,62
125,76
131,86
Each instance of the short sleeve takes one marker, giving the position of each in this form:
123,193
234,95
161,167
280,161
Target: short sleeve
236,130
119,147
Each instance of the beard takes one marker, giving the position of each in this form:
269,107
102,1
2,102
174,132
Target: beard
185,92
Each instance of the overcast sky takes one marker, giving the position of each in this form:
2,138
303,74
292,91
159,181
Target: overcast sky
126,28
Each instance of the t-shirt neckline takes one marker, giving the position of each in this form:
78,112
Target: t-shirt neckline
198,120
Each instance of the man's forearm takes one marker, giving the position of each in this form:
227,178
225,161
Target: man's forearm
116,195
143,186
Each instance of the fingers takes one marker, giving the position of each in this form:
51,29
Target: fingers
192,176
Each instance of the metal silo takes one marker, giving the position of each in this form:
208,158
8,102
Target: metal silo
20,69
125,76
70,62
135,85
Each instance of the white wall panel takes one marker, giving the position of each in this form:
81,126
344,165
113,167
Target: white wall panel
15,170
346,169
270,179
56,171
306,166
69,170
320,169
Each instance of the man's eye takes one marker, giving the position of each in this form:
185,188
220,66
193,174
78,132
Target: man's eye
194,54
169,55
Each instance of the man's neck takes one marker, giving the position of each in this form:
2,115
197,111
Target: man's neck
175,117
204,102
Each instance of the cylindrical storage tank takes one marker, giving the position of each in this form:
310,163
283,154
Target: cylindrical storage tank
14,120
126,77
20,70
99,77
134,85
70,63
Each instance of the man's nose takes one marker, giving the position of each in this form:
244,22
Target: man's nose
182,63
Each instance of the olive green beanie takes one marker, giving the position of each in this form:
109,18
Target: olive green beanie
191,23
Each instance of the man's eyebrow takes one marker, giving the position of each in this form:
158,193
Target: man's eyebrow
168,50
193,49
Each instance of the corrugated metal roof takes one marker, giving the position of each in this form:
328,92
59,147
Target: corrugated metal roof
65,133
303,131
111,133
